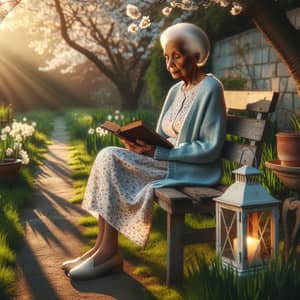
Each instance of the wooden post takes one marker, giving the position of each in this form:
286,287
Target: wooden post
175,229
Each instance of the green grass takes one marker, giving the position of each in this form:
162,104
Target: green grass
280,280
13,197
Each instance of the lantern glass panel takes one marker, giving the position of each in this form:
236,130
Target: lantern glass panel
259,244
228,232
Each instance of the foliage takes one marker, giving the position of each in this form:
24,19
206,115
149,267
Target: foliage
13,198
234,83
5,113
296,123
279,280
157,78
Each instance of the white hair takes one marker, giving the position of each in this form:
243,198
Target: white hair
196,40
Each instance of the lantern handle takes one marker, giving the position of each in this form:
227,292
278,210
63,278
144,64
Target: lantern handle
255,159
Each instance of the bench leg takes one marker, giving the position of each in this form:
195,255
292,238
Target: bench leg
175,228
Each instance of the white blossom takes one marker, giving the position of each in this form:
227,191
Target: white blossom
166,11
3,137
9,152
145,22
109,117
91,131
236,9
133,12
132,28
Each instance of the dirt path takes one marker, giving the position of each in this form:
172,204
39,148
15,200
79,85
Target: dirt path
52,235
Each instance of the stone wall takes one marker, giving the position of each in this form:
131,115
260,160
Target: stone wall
247,55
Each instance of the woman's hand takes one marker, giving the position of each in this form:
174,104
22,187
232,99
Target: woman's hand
139,147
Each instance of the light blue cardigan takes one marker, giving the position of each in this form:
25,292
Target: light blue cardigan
195,158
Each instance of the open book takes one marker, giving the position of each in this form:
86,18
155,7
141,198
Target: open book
137,130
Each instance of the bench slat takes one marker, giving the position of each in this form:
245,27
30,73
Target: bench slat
251,129
201,193
256,101
239,153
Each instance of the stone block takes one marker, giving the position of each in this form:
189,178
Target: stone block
265,55
275,84
273,57
250,56
267,84
268,70
282,70
258,71
291,85
283,84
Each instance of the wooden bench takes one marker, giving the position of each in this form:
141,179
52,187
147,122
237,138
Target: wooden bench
247,118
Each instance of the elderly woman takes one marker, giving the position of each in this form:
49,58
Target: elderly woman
121,183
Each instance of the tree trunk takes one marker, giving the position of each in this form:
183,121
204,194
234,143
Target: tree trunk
129,99
273,23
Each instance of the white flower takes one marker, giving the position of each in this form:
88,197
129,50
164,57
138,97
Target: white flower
91,131
145,22
117,112
24,157
9,152
133,118
122,117
5,130
18,138
3,137
173,4
133,12
133,28
236,9
24,119
166,11
224,3
109,117
101,131
33,124
117,117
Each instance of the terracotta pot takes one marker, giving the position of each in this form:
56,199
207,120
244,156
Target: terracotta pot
9,169
288,148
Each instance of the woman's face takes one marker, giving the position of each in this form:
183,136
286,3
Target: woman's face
179,63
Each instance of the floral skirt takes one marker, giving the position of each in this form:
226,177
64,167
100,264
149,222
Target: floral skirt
120,190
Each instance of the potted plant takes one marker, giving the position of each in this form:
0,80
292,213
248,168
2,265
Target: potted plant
288,145
13,141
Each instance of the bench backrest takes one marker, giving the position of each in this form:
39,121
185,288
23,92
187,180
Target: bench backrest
247,118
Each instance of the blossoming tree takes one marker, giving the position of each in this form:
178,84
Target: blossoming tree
270,20
76,31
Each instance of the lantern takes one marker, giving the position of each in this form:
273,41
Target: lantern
247,223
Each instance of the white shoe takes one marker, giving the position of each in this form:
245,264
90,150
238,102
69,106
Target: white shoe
70,264
87,269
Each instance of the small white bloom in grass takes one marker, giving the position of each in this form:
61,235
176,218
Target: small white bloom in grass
166,11
117,112
236,9
33,124
3,137
122,117
145,22
100,131
132,11
9,152
91,131
109,117
116,117
133,28
133,118
24,119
